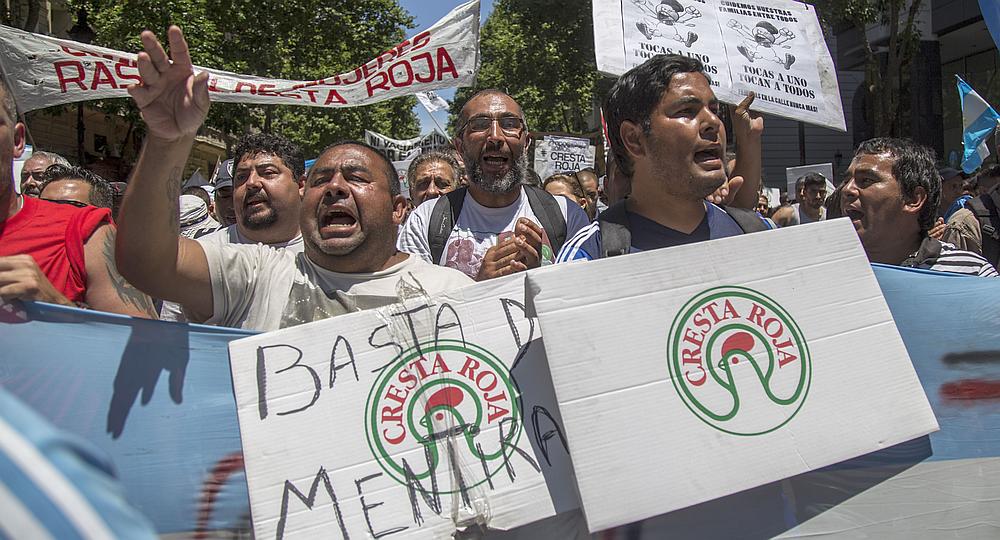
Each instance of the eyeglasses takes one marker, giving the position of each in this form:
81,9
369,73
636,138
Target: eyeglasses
77,204
510,125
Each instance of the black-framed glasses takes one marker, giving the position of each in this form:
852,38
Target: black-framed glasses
77,204
509,125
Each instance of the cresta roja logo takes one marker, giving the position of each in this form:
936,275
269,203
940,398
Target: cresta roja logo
739,361
440,402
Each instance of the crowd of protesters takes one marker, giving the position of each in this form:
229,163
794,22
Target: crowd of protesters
269,244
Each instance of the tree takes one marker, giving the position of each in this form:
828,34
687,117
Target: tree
541,52
286,39
21,14
885,76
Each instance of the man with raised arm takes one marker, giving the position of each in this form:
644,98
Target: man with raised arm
351,207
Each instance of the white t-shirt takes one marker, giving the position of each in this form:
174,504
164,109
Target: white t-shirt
171,311
478,228
257,287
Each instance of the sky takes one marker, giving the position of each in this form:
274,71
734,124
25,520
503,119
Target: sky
426,13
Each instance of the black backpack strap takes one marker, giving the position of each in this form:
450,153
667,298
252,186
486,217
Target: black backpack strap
546,209
748,220
616,239
443,218
988,215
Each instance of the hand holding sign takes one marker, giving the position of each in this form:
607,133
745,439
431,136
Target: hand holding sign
172,99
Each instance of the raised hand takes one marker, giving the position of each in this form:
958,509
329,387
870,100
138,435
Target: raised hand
172,99
745,121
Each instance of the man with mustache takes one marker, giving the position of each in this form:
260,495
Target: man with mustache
350,209
667,137
268,171
496,226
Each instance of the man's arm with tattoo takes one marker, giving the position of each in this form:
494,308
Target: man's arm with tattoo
107,290
149,251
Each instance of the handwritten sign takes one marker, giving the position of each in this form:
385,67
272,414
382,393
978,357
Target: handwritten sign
419,419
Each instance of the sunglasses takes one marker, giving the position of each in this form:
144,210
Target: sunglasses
509,125
77,204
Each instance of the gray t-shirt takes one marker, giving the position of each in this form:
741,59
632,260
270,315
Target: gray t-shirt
257,287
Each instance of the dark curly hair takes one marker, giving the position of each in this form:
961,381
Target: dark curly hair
101,193
255,144
913,167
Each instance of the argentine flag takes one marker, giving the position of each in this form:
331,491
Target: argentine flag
978,122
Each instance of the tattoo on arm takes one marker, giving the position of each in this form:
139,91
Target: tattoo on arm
125,291
173,197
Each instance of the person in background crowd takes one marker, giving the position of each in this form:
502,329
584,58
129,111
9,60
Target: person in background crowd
568,185
498,225
463,176
976,226
34,166
223,183
588,180
891,195
268,172
811,192
350,209
663,122
75,185
56,253
952,198
431,175
205,194
763,206
195,219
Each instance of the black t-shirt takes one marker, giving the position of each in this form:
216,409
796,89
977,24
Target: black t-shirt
648,234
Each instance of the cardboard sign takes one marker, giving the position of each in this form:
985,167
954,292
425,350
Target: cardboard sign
44,71
774,48
562,154
417,419
738,372
404,149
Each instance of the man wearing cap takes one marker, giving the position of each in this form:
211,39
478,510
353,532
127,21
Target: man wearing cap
223,183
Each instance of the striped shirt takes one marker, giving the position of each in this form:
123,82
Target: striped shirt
53,485
943,257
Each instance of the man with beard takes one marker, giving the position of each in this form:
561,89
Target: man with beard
31,173
664,127
350,209
267,174
496,226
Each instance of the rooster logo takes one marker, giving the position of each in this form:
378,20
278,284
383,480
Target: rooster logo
767,36
663,20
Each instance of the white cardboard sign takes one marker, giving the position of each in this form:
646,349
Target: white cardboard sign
774,48
417,419
738,372
562,154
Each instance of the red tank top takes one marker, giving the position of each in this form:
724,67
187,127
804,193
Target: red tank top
54,234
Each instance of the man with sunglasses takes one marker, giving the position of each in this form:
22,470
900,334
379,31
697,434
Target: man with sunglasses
76,186
56,253
496,226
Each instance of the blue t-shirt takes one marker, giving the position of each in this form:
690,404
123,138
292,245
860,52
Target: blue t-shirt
648,234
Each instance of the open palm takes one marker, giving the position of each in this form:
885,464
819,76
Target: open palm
172,99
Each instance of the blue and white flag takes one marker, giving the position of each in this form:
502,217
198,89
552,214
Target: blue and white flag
978,122
991,14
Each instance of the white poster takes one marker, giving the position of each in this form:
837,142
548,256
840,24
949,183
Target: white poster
404,149
774,48
561,155
45,71
417,420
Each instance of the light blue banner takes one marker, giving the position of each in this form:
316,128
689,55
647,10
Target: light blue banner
158,398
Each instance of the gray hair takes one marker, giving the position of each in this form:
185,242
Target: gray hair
434,155
55,158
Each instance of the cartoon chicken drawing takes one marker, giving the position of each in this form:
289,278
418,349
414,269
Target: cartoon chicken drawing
662,20
766,35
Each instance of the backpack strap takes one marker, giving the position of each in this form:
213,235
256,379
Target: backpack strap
616,239
443,218
546,209
988,215
748,220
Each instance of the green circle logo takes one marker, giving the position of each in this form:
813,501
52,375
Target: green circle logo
440,403
738,361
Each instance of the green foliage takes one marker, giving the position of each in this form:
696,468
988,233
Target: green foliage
541,52
287,39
